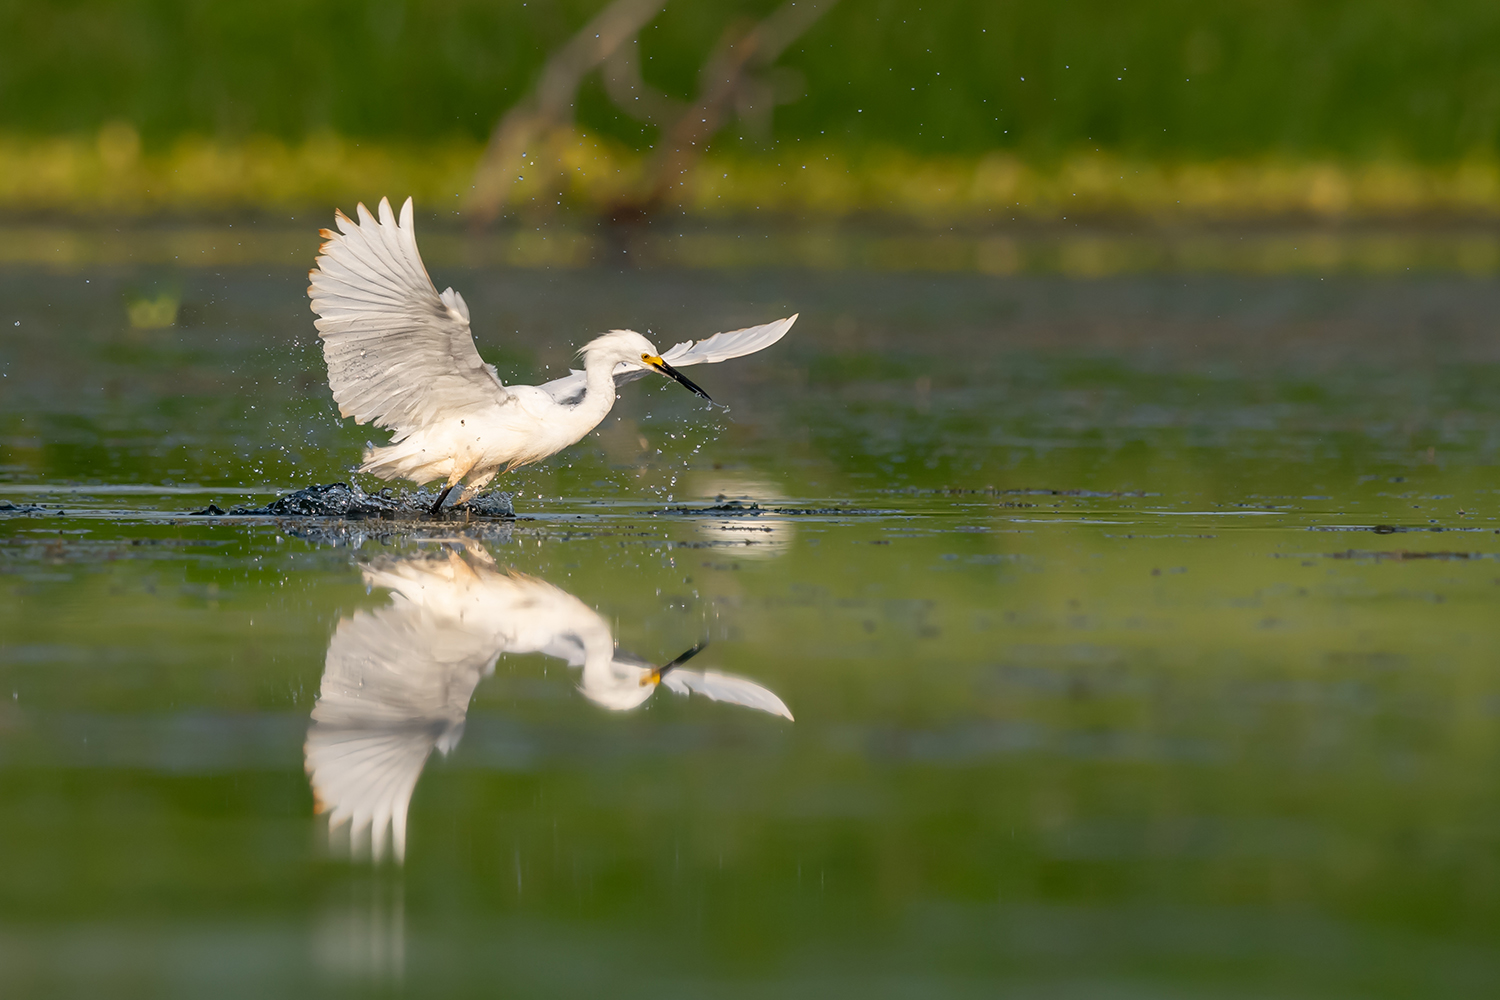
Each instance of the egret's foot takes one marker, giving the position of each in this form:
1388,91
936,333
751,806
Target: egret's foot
443,496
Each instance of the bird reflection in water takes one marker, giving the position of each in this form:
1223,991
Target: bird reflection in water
397,680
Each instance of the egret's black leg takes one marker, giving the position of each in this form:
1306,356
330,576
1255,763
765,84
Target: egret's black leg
441,497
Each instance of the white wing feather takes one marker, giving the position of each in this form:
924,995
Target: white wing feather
726,688
730,344
709,351
397,351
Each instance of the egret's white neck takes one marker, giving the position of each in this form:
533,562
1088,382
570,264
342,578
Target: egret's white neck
599,392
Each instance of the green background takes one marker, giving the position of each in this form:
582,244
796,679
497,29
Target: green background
1159,79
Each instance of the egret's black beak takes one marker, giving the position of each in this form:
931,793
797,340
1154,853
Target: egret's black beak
655,676
673,373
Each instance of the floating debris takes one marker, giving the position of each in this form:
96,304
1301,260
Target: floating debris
735,508
995,491
1391,529
7,509
342,500
1401,555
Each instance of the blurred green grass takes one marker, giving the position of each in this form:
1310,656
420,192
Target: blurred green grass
111,171
1152,78
1248,107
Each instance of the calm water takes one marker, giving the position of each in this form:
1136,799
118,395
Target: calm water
1139,634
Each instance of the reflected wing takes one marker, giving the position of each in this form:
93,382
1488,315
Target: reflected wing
727,688
396,684
397,351
720,347
365,778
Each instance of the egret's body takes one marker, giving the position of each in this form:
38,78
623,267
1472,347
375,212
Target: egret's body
397,680
522,426
401,356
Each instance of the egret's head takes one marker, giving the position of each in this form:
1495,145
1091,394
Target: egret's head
633,349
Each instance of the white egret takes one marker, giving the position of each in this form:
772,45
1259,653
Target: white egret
397,680
401,356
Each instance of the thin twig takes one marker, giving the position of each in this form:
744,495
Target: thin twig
726,83
550,106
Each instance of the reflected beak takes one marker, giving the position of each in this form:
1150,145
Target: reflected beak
654,677
673,373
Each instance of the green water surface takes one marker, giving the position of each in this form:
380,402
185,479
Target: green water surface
1139,636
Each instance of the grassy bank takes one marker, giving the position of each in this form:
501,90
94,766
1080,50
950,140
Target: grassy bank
112,171
945,111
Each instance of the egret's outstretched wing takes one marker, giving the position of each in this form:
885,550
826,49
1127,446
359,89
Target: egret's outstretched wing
397,351
729,344
727,688
396,684
711,350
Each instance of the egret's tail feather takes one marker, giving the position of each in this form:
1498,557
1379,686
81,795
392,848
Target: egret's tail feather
406,460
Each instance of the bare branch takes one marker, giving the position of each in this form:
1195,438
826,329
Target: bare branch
728,82
785,25
551,105
738,77
632,94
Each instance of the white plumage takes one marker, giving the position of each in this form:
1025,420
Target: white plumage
397,681
401,356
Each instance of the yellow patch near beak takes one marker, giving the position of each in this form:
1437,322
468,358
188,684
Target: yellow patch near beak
657,363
